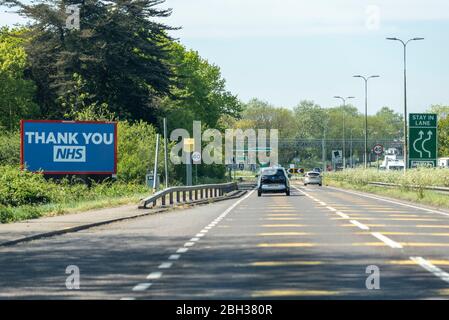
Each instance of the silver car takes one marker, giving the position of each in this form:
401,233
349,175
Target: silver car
313,177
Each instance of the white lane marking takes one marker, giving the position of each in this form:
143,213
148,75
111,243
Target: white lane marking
142,286
189,244
323,203
194,239
341,214
207,228
331,209
360,225
174,257
204,231
200,235
128,298
154,275
387,241
391,201
182,250
431,268
166,265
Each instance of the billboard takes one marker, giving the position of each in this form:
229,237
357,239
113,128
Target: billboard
69,147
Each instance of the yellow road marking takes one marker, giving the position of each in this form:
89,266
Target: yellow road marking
282,219
424,244
290,293
283,225
409,234
432,226
286,245
411,262
284,263
283,215
284,234
388,219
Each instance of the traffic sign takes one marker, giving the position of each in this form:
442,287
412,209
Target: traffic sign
337,156
423,140
378,149
196,157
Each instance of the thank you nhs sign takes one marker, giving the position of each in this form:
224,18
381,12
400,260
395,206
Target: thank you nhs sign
62,147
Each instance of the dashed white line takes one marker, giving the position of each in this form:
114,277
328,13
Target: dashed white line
182,250
165,265
341,214
431,268
331,209
194,239
154,275
189,244
200,235
387,241
142,286
174,257
360,225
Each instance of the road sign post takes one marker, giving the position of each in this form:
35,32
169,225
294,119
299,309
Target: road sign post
423,140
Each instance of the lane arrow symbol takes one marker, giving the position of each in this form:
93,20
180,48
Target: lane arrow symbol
421,135
429,137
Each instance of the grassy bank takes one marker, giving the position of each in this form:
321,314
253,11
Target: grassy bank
25,195
358,180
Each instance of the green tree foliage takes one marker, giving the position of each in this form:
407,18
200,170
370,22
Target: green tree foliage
16,91
443,128
120,52
200,93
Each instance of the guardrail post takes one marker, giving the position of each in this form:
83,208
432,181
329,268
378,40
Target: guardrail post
163,199
190,195
196,194
171,198
201,194
177,196
183,196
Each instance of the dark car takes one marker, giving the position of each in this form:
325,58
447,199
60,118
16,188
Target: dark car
273,180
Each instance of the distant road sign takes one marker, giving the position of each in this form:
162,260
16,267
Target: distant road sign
196,157
378,149
423,140
337,156
68,147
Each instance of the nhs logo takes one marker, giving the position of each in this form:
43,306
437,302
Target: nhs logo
69,154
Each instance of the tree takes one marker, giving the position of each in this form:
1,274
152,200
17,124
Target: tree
16,91
119,51
200,92
443,128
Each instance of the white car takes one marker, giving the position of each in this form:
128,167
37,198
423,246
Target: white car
313,177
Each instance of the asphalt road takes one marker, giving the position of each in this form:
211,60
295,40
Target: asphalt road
315,244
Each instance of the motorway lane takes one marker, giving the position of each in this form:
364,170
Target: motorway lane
312,245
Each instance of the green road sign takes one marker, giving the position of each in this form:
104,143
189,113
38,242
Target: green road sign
423,137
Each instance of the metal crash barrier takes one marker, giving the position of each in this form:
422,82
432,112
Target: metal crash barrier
180,195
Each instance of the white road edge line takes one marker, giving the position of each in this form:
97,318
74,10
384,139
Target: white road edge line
341,214
391,201
431,268
387,241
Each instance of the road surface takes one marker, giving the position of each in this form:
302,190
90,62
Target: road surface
316,244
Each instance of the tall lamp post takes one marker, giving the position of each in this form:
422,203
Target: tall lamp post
405,43
366,79
344,129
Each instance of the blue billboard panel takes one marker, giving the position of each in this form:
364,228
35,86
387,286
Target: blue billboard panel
66,147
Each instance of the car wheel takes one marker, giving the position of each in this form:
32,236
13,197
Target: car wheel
305,184
287,193
259,193
320,185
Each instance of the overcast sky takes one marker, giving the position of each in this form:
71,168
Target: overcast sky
284,51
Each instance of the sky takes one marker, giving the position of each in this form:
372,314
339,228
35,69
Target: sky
285,51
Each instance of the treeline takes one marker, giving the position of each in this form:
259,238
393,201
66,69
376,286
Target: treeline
310,121
120,58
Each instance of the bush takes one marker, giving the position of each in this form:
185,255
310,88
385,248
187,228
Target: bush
10,148
19,187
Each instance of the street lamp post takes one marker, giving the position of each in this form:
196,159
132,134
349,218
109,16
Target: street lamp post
366,115
405,43
344,129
